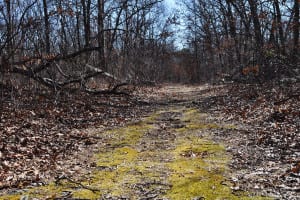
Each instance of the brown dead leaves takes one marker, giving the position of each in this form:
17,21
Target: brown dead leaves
40,136
266,140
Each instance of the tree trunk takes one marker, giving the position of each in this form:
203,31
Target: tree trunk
78,25
101,38
47,26
256,23
86,7
64,37
279,26
9,29
232,30
296,27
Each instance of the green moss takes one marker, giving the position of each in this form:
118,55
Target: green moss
194,166
194,120
118,167
86,194
123,155
195,172
114,170
11,197
199,166
190,175
230,126
196,126
128,135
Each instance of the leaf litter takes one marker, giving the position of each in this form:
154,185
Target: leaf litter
38,145
266,141
38,136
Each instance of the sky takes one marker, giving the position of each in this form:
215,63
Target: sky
170,4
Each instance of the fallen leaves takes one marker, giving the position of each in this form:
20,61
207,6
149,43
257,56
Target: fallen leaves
296,169
266,141
39,137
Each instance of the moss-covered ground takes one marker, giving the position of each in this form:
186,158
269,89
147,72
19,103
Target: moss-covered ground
166,156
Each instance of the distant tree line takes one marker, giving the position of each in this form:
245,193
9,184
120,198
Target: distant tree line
86,44
250,38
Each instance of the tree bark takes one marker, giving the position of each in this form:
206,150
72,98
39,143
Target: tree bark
101,37
296,27
78,25
256,23
47,26
9,28
86,7
279,26
266,72
232,29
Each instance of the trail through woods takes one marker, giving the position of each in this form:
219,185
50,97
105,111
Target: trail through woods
168,142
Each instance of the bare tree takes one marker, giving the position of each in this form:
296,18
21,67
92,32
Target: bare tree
296,27
62,45
101,37
226,39
47,26
86,11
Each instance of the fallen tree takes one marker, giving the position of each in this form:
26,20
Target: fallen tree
38,69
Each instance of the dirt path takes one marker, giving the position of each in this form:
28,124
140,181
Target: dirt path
170,154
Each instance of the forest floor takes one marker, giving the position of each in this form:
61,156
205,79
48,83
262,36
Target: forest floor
163,142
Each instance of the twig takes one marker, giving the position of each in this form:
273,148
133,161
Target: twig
286,99
60,70
86,137
114,90
288,188
57,182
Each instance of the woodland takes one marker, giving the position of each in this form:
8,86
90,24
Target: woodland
81,80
